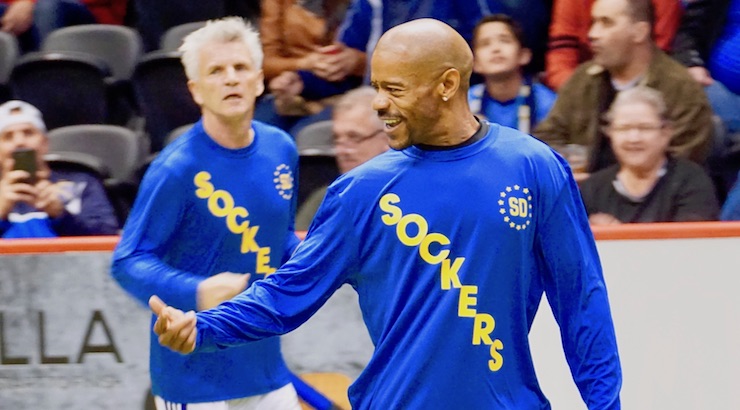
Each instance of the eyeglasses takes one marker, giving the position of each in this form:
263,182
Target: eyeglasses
354,139
625,128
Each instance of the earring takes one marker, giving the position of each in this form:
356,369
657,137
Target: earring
445,98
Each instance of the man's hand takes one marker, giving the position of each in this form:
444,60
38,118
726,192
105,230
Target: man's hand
286,85
221,287
581,176
338,62
48,198
18,17
701,75
176,329
603,219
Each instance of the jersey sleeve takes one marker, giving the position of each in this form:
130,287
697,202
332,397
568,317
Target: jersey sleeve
137,261
287,298
291,241
575,289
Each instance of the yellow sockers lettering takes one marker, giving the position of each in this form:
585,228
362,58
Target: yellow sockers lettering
483,323
221,205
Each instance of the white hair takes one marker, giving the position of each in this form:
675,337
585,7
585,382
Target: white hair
225,30
640,94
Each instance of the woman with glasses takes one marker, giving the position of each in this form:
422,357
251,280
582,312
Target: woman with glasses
646,184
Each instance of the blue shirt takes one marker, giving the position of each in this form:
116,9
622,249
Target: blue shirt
203,209
450,252
87,211
507,113
724,63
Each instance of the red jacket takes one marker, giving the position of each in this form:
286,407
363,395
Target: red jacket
107,11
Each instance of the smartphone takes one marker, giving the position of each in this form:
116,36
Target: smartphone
25,159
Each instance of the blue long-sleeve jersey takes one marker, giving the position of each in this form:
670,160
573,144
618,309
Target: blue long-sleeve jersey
203,209
450,252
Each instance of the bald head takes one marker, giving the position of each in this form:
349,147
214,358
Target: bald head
430,45
421,70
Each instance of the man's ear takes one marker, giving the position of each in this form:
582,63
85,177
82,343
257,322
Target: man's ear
642,32
449,83
193,88
525,56
260,84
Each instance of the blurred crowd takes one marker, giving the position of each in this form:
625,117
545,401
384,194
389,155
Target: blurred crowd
641,97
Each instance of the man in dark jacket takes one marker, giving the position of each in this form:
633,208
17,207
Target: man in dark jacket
36,201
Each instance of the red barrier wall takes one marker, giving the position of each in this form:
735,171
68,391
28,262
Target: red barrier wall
618,232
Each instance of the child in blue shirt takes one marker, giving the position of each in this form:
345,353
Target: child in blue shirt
507,96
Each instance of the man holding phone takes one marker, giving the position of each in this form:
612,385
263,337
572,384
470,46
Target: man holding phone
36,201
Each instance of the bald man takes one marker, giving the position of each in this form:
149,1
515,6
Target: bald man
450,240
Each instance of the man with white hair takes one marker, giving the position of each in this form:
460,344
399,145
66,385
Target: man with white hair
218,200
36,201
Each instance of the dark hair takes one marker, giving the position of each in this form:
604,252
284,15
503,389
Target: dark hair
514,27
641,10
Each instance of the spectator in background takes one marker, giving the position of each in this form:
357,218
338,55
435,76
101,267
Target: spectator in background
366,20
708,43
625,56
53,14
57,203
731,208
507,96
293,33
358,136
647,184
16,17
533,16
568,44
218,200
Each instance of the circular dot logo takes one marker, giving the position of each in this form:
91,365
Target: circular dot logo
515,206
284,181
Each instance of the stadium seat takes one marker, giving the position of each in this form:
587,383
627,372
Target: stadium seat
68,88
118,149
77,161
119,46
176,133
172,38
8,55
162,94
316,163
316,139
